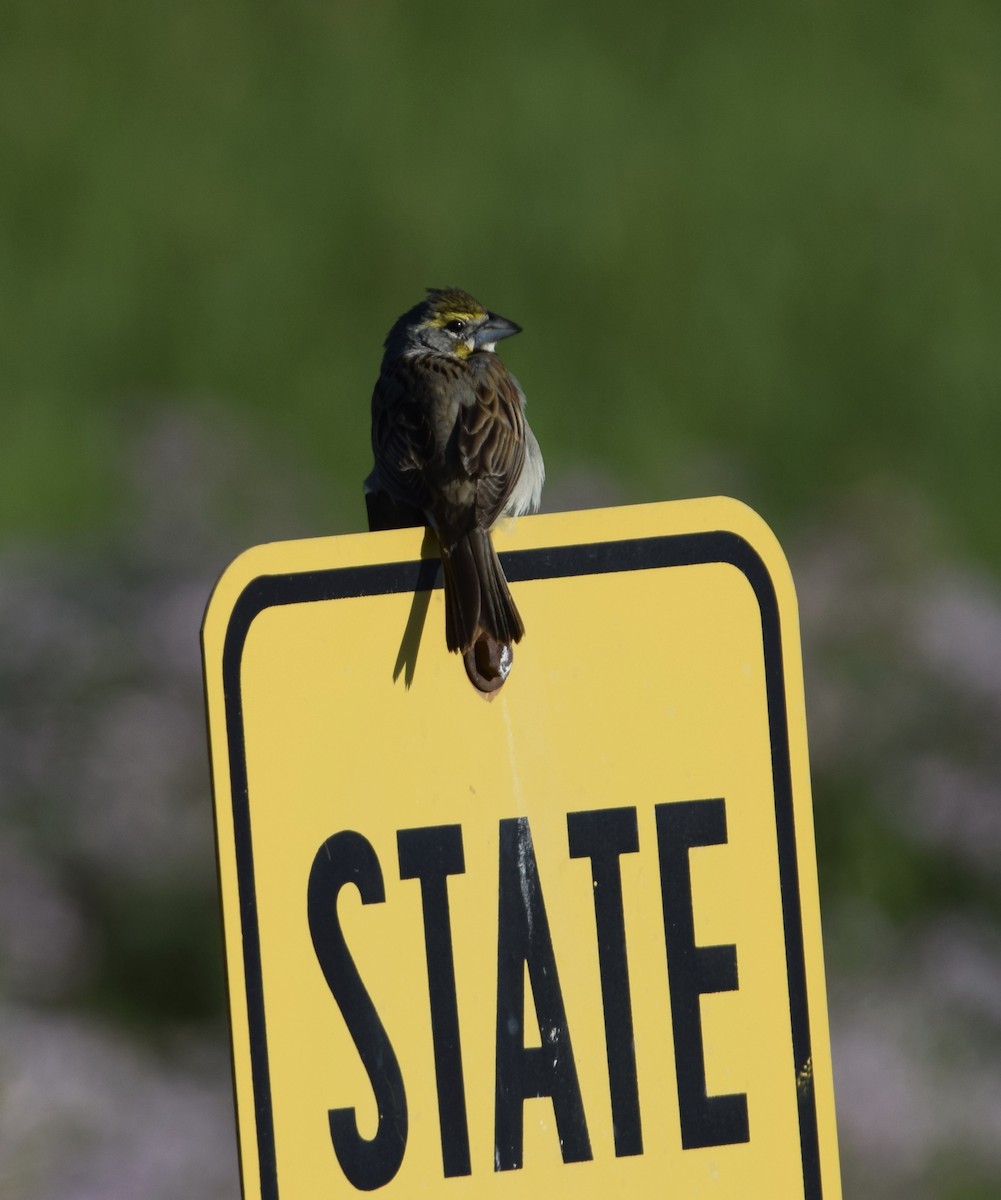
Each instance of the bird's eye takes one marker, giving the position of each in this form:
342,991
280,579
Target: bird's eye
456,326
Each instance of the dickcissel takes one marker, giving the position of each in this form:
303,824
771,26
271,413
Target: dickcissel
453,449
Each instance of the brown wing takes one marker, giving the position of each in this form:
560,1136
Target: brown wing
491,436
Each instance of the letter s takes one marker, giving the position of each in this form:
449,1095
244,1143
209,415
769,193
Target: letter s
346,858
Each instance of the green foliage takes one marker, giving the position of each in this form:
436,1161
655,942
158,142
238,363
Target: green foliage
763,232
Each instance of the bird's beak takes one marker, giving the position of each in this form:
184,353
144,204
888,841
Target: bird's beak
492,330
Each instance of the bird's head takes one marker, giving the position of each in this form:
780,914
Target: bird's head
450,322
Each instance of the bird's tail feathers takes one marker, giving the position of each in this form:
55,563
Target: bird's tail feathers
477,598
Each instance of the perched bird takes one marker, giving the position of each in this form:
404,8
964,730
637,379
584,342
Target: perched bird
452,448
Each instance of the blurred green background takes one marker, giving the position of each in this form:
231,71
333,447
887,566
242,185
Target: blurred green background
754,250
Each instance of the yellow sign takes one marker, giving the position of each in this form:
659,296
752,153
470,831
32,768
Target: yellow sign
561,942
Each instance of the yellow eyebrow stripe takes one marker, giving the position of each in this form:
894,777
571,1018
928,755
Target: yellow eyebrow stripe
442,319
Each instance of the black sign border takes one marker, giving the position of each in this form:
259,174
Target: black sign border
595,558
